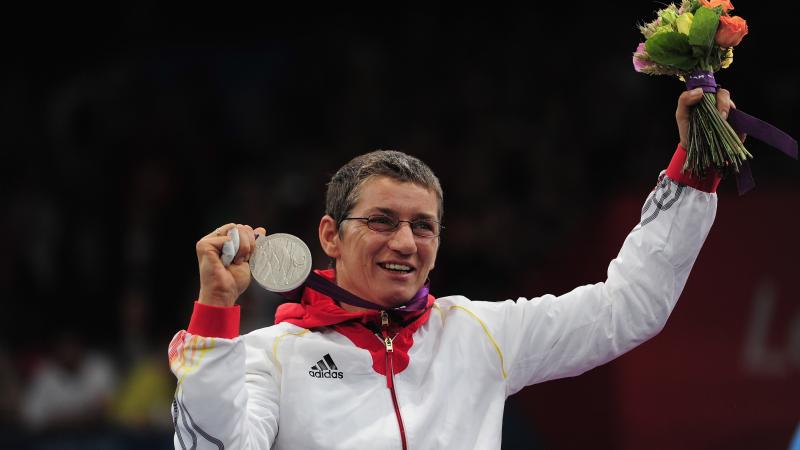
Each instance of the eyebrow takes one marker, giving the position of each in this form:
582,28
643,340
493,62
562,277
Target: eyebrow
391,212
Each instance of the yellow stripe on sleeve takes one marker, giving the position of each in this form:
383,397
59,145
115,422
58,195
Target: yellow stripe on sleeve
198,352
278,341
489,335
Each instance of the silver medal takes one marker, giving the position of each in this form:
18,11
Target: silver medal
281,262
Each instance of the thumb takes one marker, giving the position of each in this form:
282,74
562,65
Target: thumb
690,98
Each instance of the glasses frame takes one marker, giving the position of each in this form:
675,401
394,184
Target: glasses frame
397,224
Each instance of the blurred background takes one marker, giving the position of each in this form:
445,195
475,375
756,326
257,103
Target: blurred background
129,131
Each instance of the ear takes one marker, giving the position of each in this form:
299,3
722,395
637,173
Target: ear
329,236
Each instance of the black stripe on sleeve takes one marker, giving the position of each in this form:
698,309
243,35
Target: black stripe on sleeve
175,414
208,437
186,426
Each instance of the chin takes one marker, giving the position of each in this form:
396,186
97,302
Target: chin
394,299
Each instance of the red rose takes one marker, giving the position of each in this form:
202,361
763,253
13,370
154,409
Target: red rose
725,4
731,31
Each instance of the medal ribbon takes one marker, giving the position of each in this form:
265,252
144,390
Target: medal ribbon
745,123
325,286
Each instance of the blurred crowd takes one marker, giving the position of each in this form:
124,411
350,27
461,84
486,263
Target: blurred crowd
75,395
121,150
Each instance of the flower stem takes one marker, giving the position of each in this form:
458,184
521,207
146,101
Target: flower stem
712,141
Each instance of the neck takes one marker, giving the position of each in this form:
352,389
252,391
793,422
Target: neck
350,302
353,309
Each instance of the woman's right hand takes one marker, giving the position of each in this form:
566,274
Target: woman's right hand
220,285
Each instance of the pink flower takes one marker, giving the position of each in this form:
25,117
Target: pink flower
641,61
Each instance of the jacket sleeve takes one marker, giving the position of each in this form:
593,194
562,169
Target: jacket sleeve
227,393
560,336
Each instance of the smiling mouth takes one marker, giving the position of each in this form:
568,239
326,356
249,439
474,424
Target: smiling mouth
398,268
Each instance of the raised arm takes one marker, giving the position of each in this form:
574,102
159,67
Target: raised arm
559,336
227,392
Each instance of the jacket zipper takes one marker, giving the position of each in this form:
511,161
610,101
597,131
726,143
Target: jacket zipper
387,341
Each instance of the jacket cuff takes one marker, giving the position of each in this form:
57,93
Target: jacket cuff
707,184
214,321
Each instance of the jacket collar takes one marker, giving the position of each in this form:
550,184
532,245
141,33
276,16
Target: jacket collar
318,310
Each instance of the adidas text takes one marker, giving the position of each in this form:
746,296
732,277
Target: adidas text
325,368
325,374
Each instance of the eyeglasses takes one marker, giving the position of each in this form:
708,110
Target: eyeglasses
425,228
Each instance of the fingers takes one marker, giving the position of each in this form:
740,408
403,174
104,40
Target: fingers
724,103
221,231
210,246
742,136
250,237
685,102
690,98
724,106
213,243
246,244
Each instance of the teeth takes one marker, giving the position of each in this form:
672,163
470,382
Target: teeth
397,267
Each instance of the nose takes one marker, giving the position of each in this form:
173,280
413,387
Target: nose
402,240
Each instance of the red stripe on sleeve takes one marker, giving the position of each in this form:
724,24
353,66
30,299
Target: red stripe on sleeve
707,184
215,321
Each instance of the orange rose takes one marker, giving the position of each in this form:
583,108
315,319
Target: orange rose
726,4
731,31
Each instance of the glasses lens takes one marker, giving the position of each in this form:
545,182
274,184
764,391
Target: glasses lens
381,223
421,227
425,228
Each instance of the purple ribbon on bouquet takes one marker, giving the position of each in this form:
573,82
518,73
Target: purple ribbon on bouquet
745,123
325,286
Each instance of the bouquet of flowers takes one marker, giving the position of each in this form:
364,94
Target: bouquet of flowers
692,41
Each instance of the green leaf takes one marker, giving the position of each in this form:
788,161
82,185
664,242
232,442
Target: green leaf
671,49
704,28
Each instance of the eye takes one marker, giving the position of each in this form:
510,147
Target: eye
381,223
424,227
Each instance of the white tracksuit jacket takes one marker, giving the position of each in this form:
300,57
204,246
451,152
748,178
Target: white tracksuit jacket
289,387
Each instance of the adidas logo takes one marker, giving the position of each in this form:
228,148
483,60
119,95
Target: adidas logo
325,368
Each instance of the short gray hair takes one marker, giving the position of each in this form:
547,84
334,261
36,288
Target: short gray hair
345,185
